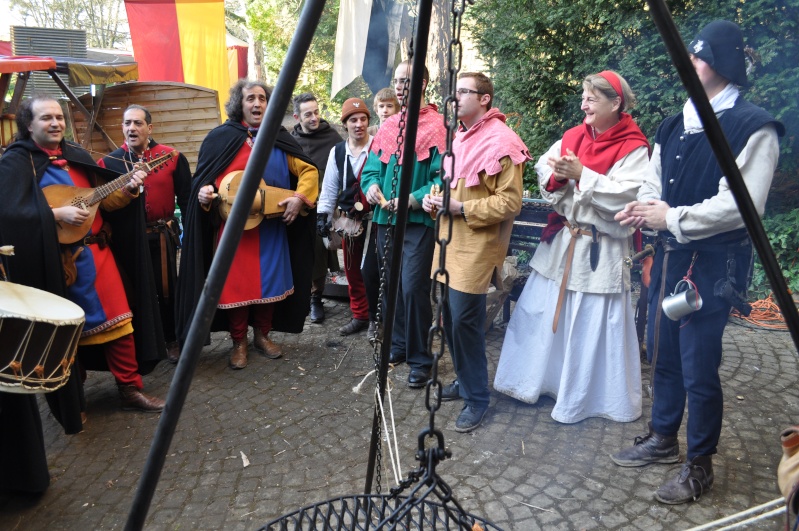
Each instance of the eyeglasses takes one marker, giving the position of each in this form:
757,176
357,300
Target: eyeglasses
465,91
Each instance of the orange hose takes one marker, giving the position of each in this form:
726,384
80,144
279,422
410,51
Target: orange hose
765,314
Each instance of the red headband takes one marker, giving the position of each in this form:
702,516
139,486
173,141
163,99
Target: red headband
615,82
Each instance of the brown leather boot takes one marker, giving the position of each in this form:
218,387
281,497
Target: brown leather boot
135,400
238,356
265,346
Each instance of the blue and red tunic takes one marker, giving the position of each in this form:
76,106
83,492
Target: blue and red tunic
261,269
98,288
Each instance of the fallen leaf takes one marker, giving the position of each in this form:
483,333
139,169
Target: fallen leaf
109,484
244,460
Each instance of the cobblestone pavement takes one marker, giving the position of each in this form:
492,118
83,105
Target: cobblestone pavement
305,434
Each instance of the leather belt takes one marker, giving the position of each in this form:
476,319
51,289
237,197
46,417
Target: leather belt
575,232
99,239
161,227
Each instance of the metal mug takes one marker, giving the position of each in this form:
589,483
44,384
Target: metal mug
684,300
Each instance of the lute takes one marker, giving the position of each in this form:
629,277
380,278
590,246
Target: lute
60,195
264,205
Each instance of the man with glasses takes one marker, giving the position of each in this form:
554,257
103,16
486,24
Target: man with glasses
486,195
413,310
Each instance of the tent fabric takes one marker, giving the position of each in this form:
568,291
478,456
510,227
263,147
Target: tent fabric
81,72
156,40
368,53
84,72
350,43
181,40
237,62
22,63
6,48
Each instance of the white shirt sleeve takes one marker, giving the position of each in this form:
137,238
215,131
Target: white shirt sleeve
330,186
757,162
651,187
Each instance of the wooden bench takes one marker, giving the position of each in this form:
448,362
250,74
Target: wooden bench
524,239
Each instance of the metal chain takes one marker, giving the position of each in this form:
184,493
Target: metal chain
428,457
383,261
440,286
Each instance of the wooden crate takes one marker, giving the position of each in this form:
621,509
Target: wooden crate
182,115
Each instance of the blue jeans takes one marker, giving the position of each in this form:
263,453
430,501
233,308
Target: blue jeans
464,328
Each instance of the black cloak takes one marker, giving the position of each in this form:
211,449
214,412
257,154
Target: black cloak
38,263
317,144
216,153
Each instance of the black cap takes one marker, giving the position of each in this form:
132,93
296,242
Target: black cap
721,45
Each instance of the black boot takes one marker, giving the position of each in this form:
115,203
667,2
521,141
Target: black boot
650,448
317,310
695,478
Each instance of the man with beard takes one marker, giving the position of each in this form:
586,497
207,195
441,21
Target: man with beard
269,280
414,313
113,336
317,138
172,178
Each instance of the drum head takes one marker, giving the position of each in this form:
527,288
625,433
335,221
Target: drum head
39,335
24,302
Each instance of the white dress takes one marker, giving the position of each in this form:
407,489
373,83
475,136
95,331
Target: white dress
591,364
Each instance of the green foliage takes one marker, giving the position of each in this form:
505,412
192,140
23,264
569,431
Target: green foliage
538,60
784,239
273,22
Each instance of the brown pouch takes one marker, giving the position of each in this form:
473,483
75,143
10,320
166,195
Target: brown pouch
68,262
788,469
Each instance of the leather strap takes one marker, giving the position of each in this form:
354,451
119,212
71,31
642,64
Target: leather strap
161,227
164,267
658,315
575,232
100,239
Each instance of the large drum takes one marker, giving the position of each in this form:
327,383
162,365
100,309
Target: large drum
39,334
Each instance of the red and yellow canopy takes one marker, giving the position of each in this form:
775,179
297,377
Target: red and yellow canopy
181,40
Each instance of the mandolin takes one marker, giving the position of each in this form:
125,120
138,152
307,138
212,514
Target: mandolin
60,195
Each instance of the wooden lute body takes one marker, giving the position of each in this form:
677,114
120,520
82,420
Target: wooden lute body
60,195
264,205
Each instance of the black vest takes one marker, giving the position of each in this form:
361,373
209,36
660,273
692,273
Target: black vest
690,173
